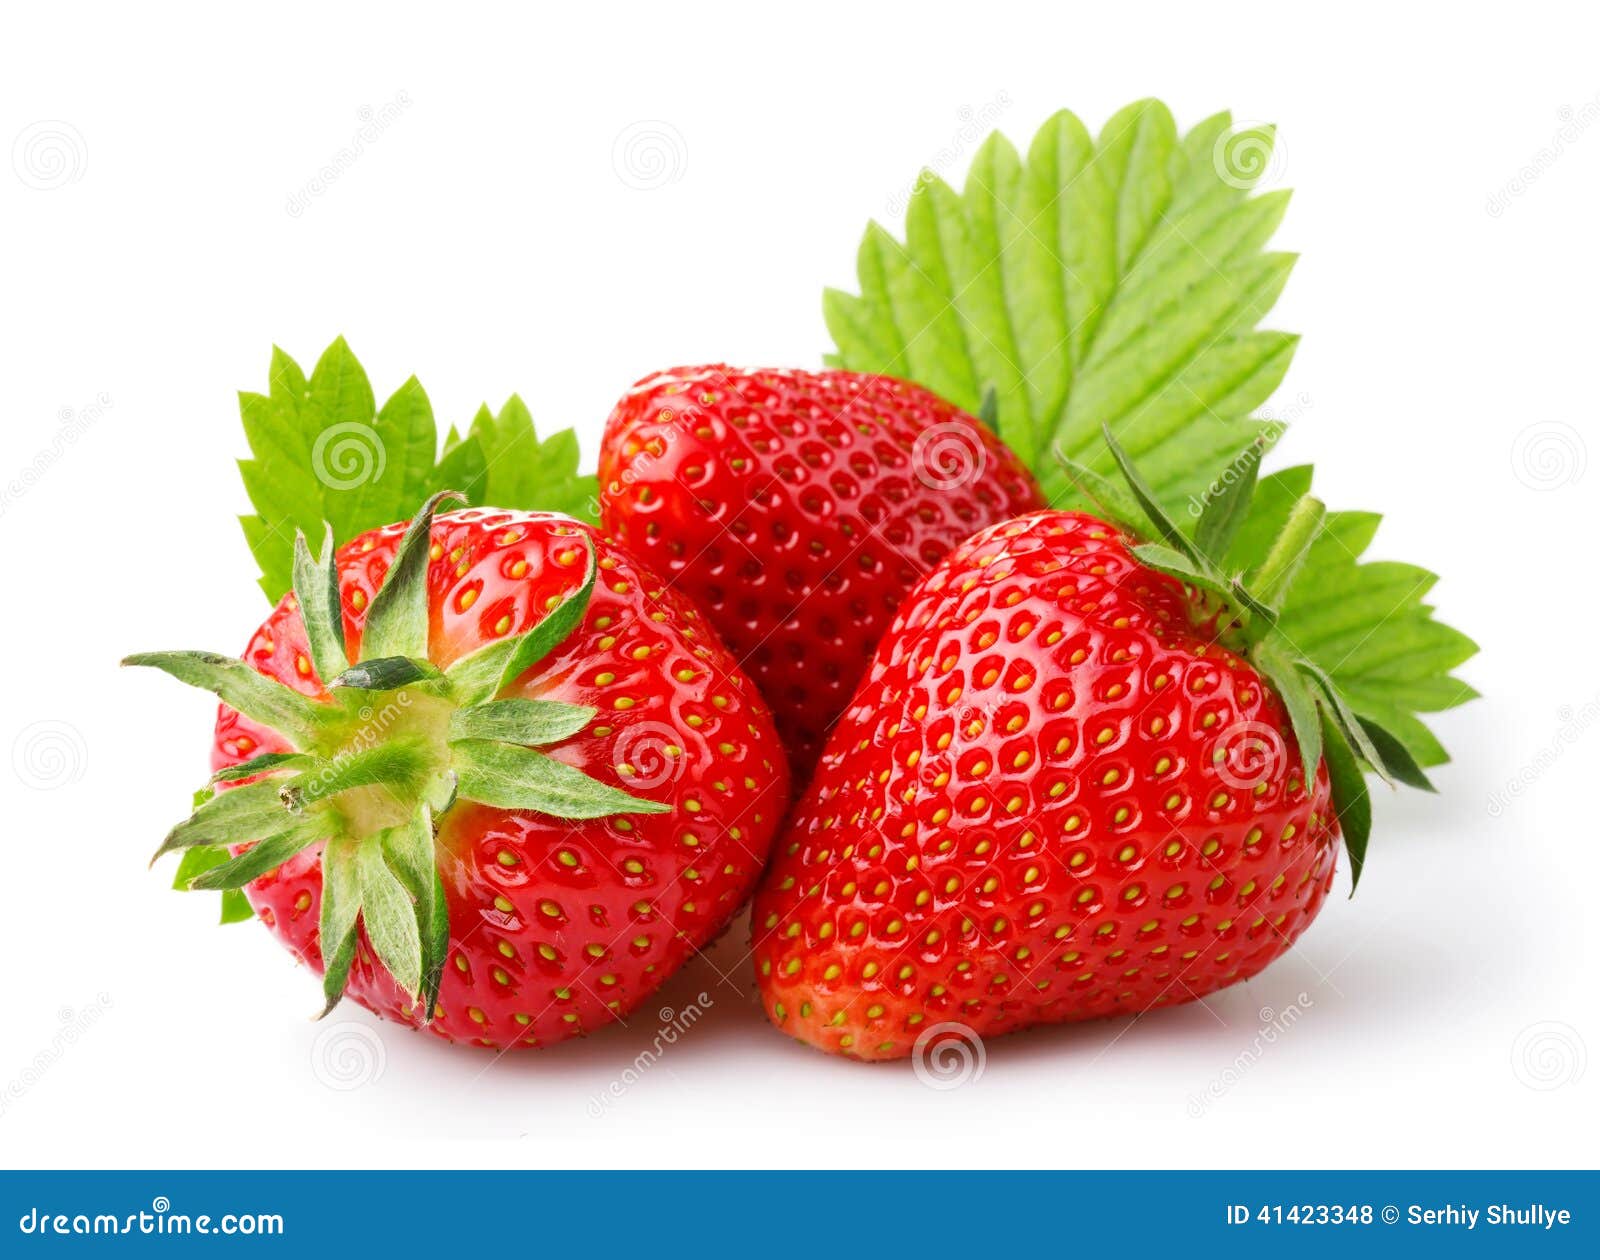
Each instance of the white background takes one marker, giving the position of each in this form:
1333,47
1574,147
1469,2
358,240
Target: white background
491,240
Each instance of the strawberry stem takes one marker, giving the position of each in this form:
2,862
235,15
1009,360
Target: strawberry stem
1271,581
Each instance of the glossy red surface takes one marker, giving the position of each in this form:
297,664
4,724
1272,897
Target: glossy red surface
556,927
798,508
1054,797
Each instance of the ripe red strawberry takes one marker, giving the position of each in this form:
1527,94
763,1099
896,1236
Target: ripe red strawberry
798,508
1022,817
1084,776
521,896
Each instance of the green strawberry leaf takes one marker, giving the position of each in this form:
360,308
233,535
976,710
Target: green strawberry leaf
253,810
261,857
341,904
1402,766
1119,280
398,764
478,676
1109,499
462,465
386,673
202,858
322,450
235,907
1115,280
243,688
390,917
1227,502
316,584
510,777
1145,496
397,622
1363,623
1164,559
196,861
521,471
518,721
408,850
262,763
1304,715
1352,804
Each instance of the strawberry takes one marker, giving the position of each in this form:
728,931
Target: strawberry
798,508
485,775
1083,776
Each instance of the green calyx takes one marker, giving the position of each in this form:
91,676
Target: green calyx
376,764
1245,607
